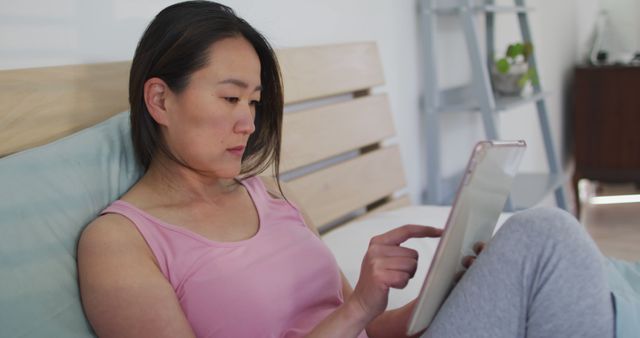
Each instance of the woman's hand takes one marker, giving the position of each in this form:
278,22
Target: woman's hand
387,265
467,261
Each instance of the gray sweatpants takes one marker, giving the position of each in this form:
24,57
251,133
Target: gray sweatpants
540,276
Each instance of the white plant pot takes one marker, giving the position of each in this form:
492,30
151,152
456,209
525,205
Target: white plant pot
507,83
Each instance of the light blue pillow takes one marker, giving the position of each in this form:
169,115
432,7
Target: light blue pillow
48,195
624,280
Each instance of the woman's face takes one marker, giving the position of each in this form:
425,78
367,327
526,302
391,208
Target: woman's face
210,121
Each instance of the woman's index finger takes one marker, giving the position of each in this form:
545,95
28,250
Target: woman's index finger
403,233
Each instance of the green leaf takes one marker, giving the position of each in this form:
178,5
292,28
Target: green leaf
502,65
514,50
530,75
522,81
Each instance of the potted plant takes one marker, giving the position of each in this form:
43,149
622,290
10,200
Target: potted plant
511,73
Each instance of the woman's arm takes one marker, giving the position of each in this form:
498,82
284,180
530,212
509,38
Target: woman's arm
392,323
124,294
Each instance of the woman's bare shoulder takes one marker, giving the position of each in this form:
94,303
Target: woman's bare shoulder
120,282
109,228
110,235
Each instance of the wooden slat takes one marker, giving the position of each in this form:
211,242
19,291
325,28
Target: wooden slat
393,204
396,203
317,134
315,72
335,191
42,104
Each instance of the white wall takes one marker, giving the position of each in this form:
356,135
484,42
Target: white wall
623,31
43,33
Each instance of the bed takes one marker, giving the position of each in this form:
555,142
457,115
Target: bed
66,154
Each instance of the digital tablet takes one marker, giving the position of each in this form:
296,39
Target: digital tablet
481,197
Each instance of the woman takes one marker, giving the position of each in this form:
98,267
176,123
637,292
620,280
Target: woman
200,246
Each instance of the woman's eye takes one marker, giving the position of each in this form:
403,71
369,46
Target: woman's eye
255,103
231,99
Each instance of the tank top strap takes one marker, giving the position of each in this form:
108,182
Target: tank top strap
270,208
257,190
150,232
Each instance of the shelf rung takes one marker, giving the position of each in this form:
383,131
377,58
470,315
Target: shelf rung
509,102
456,100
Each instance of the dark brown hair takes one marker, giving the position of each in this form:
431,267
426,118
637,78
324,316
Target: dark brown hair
173,47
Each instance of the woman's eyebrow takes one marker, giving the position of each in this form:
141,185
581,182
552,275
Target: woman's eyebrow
239,83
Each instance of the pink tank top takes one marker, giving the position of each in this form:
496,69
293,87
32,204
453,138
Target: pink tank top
279,283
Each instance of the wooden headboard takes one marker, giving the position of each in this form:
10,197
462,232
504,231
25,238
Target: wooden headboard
333,156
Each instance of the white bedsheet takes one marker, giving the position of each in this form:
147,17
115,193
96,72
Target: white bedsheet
349,243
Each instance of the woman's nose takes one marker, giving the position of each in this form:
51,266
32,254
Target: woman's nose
245,123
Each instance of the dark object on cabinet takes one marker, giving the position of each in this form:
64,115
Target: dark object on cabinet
607,123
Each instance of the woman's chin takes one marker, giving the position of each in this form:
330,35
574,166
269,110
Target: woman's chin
229,173
215,170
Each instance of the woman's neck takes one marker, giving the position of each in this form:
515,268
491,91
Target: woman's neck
174,182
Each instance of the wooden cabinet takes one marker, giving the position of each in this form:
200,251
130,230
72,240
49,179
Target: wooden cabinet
606,123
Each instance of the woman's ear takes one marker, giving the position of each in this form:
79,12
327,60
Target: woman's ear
155,94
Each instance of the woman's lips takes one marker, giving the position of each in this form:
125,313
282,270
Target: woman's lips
238,151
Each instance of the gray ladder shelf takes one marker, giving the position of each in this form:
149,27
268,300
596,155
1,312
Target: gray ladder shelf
528,189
